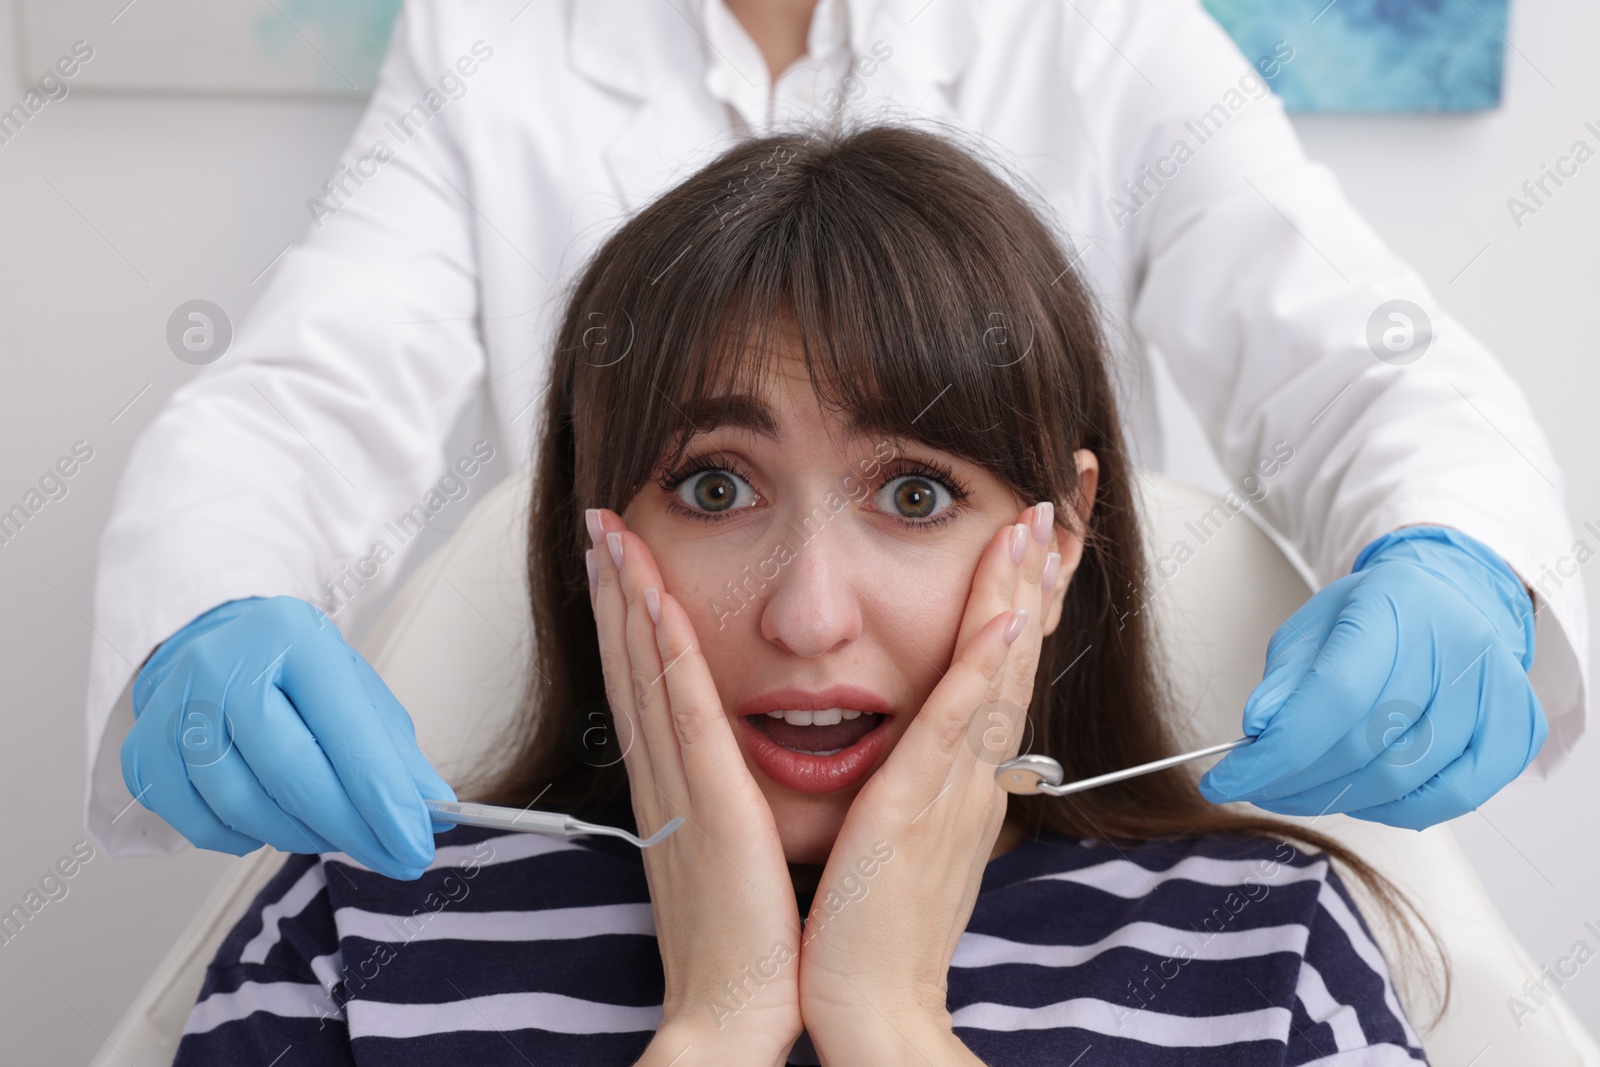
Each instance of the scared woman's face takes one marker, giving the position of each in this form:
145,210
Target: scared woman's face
826,572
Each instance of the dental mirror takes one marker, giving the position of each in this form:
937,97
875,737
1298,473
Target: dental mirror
1032,774
1028,774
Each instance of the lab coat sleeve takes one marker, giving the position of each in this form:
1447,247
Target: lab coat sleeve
278,466
1255,282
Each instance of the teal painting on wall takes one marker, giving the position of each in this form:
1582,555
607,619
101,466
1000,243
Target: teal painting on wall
1376,55
352,35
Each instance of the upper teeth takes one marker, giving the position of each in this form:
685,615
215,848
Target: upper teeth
827,717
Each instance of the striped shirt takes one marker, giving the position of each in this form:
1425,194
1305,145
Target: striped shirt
525,948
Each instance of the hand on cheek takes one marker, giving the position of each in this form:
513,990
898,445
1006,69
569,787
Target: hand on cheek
903,875
720,891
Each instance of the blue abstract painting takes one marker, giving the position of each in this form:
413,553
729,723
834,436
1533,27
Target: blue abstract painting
1374,55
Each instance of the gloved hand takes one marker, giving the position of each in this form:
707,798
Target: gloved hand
1398,693
256,723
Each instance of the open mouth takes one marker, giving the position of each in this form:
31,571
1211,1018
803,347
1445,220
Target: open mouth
817,751
817,733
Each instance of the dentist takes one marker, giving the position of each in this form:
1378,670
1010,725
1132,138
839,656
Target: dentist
504,141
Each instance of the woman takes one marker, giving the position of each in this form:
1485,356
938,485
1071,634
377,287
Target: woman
831,433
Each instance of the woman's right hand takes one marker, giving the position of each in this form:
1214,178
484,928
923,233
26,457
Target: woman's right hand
724,905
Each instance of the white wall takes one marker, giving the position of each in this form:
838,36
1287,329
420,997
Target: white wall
158,200
1435,188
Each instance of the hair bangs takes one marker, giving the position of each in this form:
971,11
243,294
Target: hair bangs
911,320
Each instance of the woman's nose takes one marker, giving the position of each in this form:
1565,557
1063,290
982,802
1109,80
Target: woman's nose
814,605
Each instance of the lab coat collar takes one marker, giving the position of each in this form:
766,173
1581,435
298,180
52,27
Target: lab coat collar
630,47
933,40
636,50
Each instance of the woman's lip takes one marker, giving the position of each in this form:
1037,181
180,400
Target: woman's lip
815,774
793,698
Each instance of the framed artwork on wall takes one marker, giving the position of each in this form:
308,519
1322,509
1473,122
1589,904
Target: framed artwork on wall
1373,55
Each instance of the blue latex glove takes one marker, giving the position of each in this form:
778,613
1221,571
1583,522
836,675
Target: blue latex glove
257,724
1398,693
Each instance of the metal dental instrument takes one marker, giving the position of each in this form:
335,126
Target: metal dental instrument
539,822
1032,774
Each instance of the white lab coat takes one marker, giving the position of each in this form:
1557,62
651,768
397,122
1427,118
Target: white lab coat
440,275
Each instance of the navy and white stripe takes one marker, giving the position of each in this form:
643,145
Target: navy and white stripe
518,948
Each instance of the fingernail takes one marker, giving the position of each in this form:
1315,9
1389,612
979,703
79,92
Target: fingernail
652,604
1019,542
592,567
1019,619
1052,571
1044,516
591,518
614,542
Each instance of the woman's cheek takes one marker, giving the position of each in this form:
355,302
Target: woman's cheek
925,594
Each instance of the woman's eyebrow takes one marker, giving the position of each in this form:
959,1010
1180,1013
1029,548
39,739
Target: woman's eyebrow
746,412
739,410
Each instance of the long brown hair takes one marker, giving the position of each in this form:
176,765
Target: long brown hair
933,303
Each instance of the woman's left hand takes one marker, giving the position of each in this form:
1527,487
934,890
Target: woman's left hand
903,876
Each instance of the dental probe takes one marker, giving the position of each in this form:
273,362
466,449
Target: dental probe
1033,774
539,822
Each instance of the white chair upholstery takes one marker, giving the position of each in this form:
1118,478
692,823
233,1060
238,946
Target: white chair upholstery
453,646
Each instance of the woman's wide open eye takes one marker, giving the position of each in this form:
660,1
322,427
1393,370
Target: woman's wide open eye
915,498
714,490
926,495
